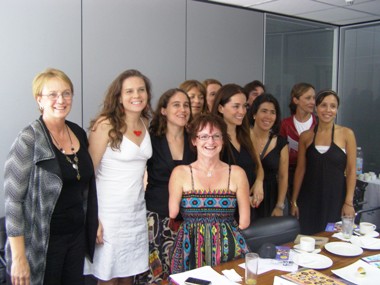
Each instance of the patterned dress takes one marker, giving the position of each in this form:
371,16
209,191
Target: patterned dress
209,234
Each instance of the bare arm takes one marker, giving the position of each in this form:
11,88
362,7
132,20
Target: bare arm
175,191
242,195
348,208
98,141
258,186
20,271
282,180
300,172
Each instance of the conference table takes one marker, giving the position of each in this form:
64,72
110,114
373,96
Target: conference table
268,277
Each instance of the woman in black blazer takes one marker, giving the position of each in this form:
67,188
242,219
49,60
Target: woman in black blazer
170,148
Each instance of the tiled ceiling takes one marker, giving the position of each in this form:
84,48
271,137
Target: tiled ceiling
336,12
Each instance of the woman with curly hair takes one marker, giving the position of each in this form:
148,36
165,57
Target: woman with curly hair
120,147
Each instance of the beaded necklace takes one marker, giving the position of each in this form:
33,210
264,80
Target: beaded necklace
74,162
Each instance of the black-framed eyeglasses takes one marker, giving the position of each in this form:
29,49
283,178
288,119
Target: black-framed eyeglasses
67,95
215,137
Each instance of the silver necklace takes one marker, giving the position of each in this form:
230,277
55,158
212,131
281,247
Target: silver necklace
74,162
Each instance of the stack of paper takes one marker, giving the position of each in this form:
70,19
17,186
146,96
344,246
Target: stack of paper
205,272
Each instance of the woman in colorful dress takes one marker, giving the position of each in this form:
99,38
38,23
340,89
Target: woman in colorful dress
206,193
265,119
120,147
325,176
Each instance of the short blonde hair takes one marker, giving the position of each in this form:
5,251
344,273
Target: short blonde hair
40,80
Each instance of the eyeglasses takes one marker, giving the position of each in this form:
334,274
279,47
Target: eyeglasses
54,95
216,137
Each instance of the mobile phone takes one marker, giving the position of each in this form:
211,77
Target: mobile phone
196,281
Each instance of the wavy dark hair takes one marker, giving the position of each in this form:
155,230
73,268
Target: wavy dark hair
113,109
297,91
266,98
222,97
158,126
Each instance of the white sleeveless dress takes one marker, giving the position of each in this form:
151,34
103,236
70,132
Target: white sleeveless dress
122,212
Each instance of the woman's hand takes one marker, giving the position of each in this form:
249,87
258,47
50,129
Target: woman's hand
258,194
348,210
294,211
20,271
99,234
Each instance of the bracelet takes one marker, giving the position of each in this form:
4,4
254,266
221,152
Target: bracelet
280,206
294,203
348,204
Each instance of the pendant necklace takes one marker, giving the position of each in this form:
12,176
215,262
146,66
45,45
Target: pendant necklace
209,173
74,162
137,133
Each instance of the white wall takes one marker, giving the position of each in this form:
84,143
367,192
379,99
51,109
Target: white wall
94,40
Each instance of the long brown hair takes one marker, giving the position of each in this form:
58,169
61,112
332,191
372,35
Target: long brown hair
159,124
113,109
297,91
222,97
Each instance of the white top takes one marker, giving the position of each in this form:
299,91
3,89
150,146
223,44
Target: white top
302,126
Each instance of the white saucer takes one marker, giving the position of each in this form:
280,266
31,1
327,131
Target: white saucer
312,260
371,234
343,248
366,242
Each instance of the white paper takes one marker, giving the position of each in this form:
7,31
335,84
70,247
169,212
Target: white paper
350,273
206,273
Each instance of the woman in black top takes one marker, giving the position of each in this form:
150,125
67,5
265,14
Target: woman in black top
231,104
170,148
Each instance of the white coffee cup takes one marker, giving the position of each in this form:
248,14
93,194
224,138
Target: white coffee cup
366,228
307,244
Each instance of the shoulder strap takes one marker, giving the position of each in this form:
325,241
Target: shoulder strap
229,176
266,146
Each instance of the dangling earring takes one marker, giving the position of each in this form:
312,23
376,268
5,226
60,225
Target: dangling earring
41,108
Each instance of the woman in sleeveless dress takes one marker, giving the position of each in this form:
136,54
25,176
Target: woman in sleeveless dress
120,147
206,193
265,119
325,176
231,105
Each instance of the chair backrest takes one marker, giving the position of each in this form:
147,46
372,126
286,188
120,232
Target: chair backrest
359,195
276,230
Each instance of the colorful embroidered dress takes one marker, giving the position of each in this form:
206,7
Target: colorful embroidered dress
209,234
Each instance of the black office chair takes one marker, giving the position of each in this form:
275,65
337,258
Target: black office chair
2,251
276,230
359,213
359,192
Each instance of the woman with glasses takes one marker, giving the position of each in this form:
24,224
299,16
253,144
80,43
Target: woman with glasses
325,176
48,174
206,193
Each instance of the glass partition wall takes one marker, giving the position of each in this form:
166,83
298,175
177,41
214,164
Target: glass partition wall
359,88
304,51
298,51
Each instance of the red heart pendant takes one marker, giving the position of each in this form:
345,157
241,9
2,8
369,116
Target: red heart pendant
137,133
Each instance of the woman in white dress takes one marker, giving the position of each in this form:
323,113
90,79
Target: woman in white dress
120,146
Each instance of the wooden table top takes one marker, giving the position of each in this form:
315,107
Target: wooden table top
268,277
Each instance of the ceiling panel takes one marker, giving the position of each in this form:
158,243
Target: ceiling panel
336,12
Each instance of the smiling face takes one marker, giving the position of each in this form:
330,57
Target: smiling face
306,102
134,96
327,109
177,111
211,91
234,110
211,146
59,107
197,100
265,116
